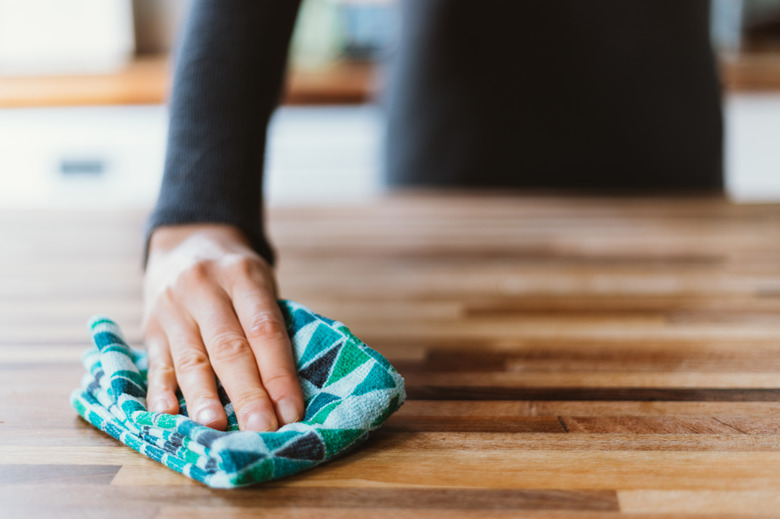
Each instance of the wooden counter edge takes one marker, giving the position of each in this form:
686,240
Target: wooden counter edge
146,81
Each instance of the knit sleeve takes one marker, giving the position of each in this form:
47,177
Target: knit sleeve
228,75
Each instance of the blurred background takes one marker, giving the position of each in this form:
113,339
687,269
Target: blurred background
83,119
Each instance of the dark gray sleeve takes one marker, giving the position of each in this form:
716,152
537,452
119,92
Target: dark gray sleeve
228,75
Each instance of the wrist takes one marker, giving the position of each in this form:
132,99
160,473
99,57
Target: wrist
168,237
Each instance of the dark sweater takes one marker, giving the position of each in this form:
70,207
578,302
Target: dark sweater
606,94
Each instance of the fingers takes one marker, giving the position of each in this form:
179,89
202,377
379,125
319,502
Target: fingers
210,309
266,332
193,370
161,391
233,360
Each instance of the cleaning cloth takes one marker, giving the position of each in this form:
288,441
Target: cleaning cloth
349,390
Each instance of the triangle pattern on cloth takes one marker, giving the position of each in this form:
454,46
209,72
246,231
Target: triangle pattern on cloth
344,387
317,372
299,318
337,439
350,358
318,402
208,437
321,338
323,414
233,460
276,441
257,472
376,379
307,447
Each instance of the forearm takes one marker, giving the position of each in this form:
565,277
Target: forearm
227,81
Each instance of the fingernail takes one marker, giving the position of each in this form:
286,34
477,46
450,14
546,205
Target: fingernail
161,405
289,411
206,416
259,422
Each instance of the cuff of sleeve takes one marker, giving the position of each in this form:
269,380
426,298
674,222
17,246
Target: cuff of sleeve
255,234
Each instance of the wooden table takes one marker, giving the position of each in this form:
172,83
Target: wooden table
567,354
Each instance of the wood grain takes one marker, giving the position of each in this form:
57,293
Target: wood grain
565,356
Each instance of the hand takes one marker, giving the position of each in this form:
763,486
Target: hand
210,307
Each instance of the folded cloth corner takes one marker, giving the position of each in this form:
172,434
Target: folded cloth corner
349,390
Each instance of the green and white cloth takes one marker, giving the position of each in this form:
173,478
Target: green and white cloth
349,391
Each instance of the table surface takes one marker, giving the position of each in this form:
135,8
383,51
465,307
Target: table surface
568,354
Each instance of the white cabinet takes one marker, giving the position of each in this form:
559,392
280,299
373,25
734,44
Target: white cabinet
81,157
113,156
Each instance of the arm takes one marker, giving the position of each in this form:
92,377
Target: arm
209,289
227,82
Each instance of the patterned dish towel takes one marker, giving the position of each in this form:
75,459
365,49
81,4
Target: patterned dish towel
349,391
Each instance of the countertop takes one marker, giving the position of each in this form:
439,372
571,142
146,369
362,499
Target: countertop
146,81
577,354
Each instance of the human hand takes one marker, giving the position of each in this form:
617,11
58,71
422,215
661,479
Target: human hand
210,307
